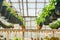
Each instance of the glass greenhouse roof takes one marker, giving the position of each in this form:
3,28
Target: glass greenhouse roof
29,10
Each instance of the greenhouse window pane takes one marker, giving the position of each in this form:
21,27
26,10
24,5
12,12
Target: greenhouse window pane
28,27
14,0
40,5
25,34
27,23
25,12
29,35
33,27
19,34
47,0
31,12
38,12
33,23
25,6
40,0
24,0
18,10
21,5
16,5
27,19
27,38
33,18
31,0
7,0
34,34
31,5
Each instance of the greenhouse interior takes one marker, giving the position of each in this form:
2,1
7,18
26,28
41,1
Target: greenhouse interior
29,19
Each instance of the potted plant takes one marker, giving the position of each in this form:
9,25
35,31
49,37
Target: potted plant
16,17
11,14
42,18
39,21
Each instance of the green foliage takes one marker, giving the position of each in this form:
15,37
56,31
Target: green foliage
9,8
52,38
16,38
55,24
53,1
45,12
12,11
6,4
40,19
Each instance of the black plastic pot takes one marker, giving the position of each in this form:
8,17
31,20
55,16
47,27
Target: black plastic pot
15,20
11,18
47,20
7,14
20,22
53,15
1,2
3,11
58,2
57,10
